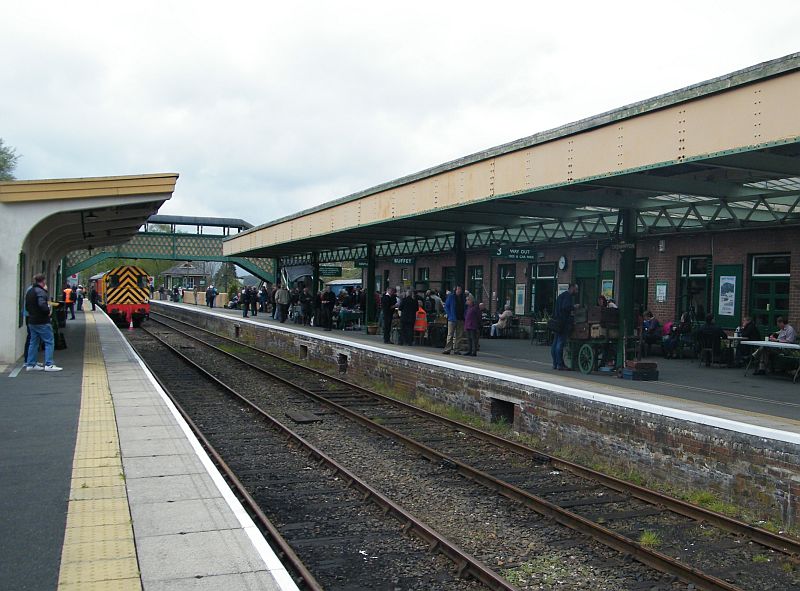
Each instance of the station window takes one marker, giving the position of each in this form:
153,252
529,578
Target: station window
506,285
542,288
448,279
694,290
188,283
404,275
476,282
769,290
771,265
423,278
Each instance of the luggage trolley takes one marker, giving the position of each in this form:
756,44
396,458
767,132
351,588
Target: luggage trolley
594,340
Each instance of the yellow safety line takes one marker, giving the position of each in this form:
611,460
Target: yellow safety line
99,552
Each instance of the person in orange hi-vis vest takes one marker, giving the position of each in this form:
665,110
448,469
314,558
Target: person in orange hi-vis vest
421,321
69,301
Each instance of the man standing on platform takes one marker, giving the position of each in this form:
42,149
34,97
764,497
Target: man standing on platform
388,305
93,295
455,306
38,308
565,303
282,303
69,300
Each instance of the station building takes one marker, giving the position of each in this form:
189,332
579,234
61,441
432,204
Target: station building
686,202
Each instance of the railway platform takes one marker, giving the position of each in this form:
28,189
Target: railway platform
103,486
722,397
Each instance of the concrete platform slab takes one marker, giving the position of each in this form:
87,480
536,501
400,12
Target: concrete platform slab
182,516
197,554
181,487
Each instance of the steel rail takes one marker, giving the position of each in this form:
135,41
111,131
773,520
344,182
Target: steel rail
647,556
279,542
465,563
766,538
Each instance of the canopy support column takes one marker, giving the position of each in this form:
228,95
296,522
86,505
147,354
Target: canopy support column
627,272
460,246
368,284
314,274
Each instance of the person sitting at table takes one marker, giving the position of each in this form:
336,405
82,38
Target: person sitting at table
785,334
502,321
669,340
748,332
711,334
651,332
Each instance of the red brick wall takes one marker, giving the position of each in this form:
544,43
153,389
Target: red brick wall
752,471
730,247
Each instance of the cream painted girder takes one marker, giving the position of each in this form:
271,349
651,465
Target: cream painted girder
746,117
82,188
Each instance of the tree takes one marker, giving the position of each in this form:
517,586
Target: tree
8,161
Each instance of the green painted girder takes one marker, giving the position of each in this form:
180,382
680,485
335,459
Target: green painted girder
165,246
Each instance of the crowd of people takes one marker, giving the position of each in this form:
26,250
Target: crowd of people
707,339
297,304
409,313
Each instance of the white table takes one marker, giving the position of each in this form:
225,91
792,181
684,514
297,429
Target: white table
771,345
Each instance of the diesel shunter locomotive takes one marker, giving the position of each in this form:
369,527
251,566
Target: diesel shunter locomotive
124,293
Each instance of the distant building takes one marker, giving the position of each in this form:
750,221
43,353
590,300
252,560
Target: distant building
189,275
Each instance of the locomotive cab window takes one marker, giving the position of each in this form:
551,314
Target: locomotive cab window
142,281
113,281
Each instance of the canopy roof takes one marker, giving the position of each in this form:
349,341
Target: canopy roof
718,155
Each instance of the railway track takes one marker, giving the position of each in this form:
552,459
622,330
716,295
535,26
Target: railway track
332,529
696,546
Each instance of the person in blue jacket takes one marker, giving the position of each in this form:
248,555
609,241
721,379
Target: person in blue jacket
455,306
565,304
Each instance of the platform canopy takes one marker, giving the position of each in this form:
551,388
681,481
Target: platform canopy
81,212
722,154
43,220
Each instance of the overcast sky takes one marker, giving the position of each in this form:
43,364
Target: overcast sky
268,108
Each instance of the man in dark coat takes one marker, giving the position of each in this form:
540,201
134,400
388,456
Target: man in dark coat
408,314
328,301
565,303
388,305
37,307
244,301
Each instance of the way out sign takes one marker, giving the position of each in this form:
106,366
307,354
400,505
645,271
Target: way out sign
519,253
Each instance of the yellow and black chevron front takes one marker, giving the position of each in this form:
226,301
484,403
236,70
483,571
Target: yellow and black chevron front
126,285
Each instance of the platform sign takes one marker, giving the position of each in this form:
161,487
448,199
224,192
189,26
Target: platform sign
403,260
330,271
517,253
361,263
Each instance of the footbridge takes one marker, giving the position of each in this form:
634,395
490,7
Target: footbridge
182,238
